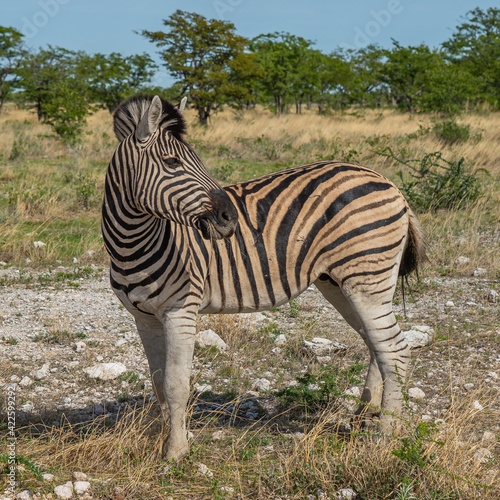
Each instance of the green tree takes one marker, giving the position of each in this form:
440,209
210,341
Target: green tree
200,54
283,59
112,78
406,71
11,53
50,82
476,46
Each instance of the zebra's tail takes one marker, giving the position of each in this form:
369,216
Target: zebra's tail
415,251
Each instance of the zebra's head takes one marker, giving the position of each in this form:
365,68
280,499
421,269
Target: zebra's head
166,178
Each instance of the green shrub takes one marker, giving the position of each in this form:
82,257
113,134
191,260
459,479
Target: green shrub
436,183
451,132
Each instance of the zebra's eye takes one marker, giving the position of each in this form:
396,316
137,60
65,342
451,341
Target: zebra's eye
172,162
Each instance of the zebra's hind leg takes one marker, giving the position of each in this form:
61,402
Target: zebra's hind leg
152,336
371,397
387,346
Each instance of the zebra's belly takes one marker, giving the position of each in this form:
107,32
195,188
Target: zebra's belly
244,303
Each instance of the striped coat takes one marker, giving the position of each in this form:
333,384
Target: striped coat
180,245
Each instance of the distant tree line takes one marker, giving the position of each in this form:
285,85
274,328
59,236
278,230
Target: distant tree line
215,66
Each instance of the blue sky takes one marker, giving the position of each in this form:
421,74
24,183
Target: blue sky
108,25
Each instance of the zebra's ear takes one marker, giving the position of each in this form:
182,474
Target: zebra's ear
150,120
182,105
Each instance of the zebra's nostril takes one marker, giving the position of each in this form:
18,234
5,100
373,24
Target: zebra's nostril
225,216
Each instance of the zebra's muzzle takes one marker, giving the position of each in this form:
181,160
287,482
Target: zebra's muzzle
221,221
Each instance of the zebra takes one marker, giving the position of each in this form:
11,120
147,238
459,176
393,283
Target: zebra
180,244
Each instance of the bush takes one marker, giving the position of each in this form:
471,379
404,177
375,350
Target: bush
451,132
436,183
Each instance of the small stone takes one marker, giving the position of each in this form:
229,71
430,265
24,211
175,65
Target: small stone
80,346
15,378
203,388
24,495
353,392
43,372
276,350
324,360
450,303
75,260
81,487
321,495
27,407
48,477
426,418
416,393
482,456
218,436
261,384
479,272
418,336
99,410
462,261
477,406
39,244
346,494
492,296
280,339
208,338
79,476
322,347
227,489
120,342
203,470
105,371
489,437
469,386
26,381
64,491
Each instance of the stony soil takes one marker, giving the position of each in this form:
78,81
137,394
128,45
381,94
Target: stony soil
55,324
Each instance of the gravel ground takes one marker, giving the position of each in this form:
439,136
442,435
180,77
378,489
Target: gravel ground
54,325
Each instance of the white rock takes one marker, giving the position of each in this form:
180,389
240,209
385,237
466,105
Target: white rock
280,339
39,244
203,387
346,494
26,381
353,391
261,384
48,477
24,495
489,437
321,495
208,338
479,272
120,342
15,378
477,406
64,491
81,487
227,489
493,375
482,456
322,347
43,372
80,346
426,418
416,393
450,303
469,386
492,296
75,260
462,261
79,476
203,470
276,350
324,360
105,371
218,436
27,407
418,336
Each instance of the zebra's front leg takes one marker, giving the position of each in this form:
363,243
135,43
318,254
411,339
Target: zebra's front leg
180,330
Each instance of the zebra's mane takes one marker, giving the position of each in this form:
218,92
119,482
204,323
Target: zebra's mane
128,115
